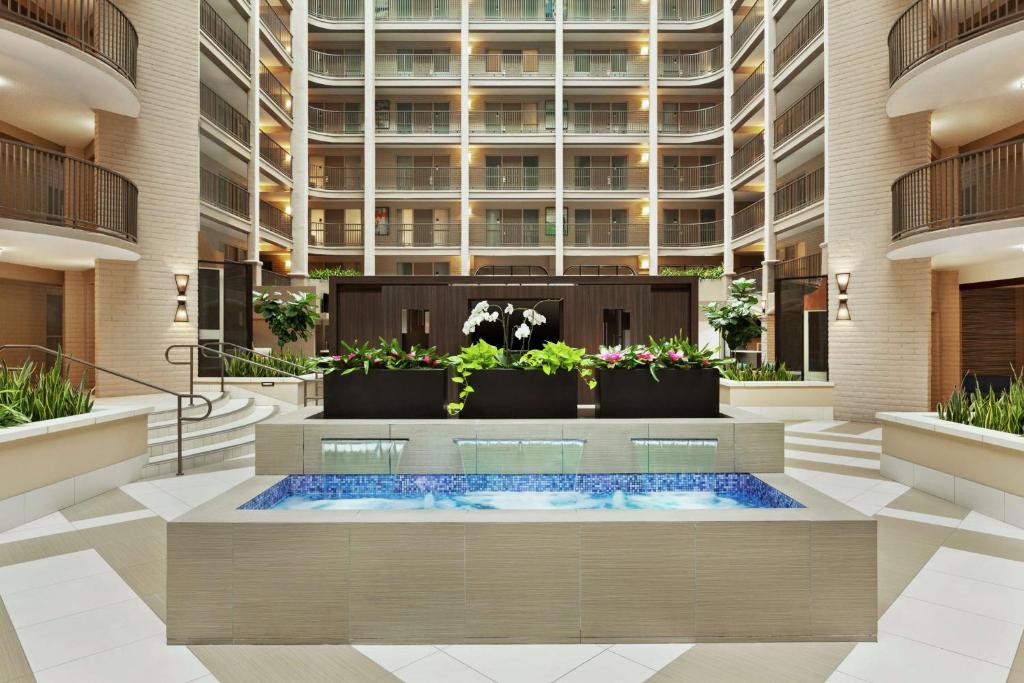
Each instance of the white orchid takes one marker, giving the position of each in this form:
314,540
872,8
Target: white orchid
523,331
510,309
533,317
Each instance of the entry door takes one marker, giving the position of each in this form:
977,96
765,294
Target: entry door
493,227
442,226
670,173
493,172
620,227
225,309
582,177
670,117
670,227
619,173
581,227
531,227
423,227
707,226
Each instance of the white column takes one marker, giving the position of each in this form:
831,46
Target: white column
652,139
729,199
369,138
300,140
464,140
559,137
768,284
253,246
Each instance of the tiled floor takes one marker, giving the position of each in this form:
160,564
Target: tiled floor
82,600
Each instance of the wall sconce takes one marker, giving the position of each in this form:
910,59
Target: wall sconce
842,282
645,263
645,211
645,104
181,282
469,49
288,210
644,157
644,49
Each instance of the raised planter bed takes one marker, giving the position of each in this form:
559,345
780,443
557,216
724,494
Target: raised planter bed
266,390
781,400
385,394
678,392
521,394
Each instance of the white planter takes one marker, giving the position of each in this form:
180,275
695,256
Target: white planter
281,391
781,400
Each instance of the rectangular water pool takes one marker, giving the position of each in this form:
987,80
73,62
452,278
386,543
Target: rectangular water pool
520,492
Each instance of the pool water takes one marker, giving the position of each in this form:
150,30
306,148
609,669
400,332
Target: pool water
520,492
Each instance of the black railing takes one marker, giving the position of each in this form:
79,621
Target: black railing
275,89
802,114
223,36
275,220
217,111
749,154
336,10
275,155
749,90
810,26
276,25
223,193
748,219
800,193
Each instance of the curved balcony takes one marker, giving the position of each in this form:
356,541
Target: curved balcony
627,179
691,180
526,236
419,235
336,235
67,210
335,11
512,67
748,220
970,201
694,125
511,179
693,68
605,122
332,66
691,235
592,65
330,124
607,235
691,13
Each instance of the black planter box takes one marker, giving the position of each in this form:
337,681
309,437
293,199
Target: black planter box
386,394
679,392
521,394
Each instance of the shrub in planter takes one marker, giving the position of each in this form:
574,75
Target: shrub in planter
29,394
769,372
738,319
385,382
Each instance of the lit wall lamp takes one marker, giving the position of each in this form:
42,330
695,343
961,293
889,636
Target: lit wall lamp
181,282
645,104
842,282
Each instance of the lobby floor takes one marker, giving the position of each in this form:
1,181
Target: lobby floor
82,600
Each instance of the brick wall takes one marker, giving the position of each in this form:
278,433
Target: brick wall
946,372
159,152
79,317
879,360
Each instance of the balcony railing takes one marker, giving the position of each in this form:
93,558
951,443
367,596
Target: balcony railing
275,155
748,155
225,194
590,122
275,220
606,10
508,123
422,235
276,25
335,178
274,89
692,65
930,27
802,266
41,186
418,10
512,235
800,193
749,90
748,25
607,235
217,30
511,10
690,178
606,179
221,114
96,27
688,10
974,187
802,114
511,179
417,122
336,10
335,235
755,274
591,65
335,122
691,235
418,66
810,26
512,66
748,219
690,121
331,65
434,179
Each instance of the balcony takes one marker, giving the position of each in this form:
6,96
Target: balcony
801,193
335,235
804,112
606,179
217,111
510,11
594,65
335,122
408,65
746,27
220,34
691,179
218,191
610,11
275,155
748,219
274,89
750,89
690,121
96,27
590,122
692,66
276,26
512,66
410,179
970,189
335,179
688,11
419,235
691,235
507,122
607,235
332,65
417,122
418,10
512,235
806,31
512,179
748,155
274,220
336,10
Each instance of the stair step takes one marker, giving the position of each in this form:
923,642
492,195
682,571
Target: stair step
230,411
833,436
218,399
166,444
167,463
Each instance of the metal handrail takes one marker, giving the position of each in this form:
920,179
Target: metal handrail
191,395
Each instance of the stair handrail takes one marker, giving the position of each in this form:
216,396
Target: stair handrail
179,396
318,375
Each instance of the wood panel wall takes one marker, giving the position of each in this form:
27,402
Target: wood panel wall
991,335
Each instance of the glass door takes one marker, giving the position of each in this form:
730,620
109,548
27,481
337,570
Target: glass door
493,227
620,227
531,227
581,227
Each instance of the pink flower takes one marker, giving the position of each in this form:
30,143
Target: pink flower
705,362
350,356
412,355
676,356
644,356
376,360
335,357
426,359
611,357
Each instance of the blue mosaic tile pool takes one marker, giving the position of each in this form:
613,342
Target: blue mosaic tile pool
519,492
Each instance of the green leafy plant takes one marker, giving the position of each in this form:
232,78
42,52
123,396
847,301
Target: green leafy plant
555,356
385,355
671,352
327,272
289,319
30,394
272,365
738,318
701,272
1002,412
769,372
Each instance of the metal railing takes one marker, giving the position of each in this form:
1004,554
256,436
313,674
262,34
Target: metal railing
691,235
217,111
441,65
800,193
334,65
748,155
748,219
607,235
598,269
930,27
590,122
594,65
223,193
802,266
180,397
275,155
755,274
335,234
334,121
276,25
511,235
690,178
223,36
748,25
810,26
42,186
606,10
508,122
509,269
417,235
275,220
511,10
801,114
688,10
749,90
274,279
512,66
417,122
418,10
691,65
973,187
275,89
690,121
511,178
427,179
96,27
606,179
338,179
336,10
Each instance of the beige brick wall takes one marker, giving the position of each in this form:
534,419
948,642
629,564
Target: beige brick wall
945,334
880,359
159,152
79,320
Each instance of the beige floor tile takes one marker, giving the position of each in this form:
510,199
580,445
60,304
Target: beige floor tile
1018,662
760,662
919,501
13,664
986,544
855,428
280,663
42,547
830,468
130,543
109,503
148,577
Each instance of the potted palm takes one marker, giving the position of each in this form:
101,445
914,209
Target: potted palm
738,318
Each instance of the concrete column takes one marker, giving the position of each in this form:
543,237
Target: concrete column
253,246
729,199
464,159
559,137
369,138
300,140
652,139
